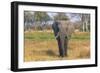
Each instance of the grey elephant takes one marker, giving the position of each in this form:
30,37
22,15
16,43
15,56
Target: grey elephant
62,31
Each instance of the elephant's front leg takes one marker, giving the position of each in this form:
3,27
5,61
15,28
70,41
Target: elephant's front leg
66,46
62,45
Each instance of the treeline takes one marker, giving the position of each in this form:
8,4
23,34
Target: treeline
35,20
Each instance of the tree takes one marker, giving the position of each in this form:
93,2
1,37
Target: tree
85,22
41,18
61,16
84,19
28,19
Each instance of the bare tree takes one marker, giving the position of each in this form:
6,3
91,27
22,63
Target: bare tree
28,19
84,19
85,22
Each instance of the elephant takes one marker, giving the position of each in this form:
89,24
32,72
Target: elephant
62,31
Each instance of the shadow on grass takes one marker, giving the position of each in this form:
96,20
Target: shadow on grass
45,52
51,53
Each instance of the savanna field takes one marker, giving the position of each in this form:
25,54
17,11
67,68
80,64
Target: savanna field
42,46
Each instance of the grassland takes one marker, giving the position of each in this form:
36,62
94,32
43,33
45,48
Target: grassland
42,46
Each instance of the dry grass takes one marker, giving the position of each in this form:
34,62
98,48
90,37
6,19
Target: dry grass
48,49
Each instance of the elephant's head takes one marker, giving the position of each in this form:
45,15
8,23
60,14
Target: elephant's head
66,28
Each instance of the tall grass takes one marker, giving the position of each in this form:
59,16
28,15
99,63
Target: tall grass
42,46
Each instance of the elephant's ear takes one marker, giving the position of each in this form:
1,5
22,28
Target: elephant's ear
70,29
